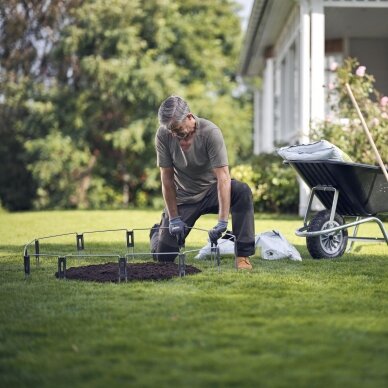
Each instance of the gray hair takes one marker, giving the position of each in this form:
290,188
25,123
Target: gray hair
173,110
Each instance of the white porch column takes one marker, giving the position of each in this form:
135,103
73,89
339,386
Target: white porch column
317,70
304,88
267,128
304,60
257,109
317,61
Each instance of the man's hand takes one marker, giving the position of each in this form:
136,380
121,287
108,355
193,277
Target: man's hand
178,229
216,232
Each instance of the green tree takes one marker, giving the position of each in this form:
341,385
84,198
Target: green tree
92,113
27,34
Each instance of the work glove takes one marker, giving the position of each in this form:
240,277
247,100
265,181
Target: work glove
216,232
178,229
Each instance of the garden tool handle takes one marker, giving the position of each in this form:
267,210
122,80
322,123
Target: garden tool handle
366,129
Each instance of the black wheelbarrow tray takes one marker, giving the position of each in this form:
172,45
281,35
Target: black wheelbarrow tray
348,191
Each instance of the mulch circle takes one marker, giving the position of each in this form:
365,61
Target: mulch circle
109,272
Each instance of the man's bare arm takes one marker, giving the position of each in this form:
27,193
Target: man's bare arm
224,192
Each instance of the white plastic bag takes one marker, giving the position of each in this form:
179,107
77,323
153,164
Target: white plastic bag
274,246
225,246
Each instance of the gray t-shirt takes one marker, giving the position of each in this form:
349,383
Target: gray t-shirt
193,169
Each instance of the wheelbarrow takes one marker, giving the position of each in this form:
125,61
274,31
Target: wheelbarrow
352,194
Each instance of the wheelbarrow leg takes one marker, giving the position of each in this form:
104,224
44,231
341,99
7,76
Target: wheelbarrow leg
355,232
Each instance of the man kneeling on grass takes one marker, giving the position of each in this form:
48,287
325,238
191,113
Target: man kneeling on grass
193,162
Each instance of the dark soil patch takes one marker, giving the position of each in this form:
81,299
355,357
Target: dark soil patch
109,272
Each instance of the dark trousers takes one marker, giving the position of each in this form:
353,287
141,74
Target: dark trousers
241,208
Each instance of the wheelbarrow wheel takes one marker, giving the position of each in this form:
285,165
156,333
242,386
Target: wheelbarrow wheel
330,245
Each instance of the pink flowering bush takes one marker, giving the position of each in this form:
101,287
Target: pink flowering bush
343,127
384,101
360,71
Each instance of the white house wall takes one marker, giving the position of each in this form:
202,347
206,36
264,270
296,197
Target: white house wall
295,98
304,82
317,98
267,134
304,98
287,65
299,84
257,122
298,73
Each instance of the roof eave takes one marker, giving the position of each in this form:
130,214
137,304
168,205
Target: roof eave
265,24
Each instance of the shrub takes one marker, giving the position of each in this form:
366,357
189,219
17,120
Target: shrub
274,186
343,126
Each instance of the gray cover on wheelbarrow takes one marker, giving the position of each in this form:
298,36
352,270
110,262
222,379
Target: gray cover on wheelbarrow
320,150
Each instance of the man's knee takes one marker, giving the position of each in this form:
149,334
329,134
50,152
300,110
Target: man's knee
161,250
165,253
241,190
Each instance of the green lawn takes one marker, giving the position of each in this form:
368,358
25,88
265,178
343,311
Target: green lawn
315,323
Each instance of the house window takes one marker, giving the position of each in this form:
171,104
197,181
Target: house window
333,59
